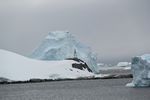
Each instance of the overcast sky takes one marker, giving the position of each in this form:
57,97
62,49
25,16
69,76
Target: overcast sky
115,29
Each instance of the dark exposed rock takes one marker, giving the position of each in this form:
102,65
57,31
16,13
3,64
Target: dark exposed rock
81,65
2,79
75,59
35,80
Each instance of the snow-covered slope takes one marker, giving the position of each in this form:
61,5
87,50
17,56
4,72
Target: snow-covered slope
17,67
141,71
61,45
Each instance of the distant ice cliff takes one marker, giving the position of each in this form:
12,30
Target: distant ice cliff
60,45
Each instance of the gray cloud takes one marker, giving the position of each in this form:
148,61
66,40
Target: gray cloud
115,29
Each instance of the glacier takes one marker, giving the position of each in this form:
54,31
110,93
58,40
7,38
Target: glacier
141,71
60,45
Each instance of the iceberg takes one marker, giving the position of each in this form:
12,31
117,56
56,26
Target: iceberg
14,67
61,45
123,64
141,71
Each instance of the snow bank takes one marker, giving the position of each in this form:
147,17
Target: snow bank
61,45
19,68
141,71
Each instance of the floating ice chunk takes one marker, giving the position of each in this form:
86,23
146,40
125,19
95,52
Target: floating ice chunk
123,64
141,71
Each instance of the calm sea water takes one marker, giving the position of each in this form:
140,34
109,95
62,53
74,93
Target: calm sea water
108,89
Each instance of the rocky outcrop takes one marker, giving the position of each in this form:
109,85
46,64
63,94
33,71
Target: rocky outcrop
4,80
80,65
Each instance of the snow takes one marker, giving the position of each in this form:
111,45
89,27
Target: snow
100,64
19,68
146,57
141,71
123,64
60,45
102,75
113,68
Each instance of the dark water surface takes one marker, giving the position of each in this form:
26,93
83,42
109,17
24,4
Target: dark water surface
107,89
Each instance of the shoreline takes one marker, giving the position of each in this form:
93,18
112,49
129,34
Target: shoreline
112,76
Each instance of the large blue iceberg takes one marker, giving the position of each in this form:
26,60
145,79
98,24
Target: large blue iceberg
141,71
60,45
